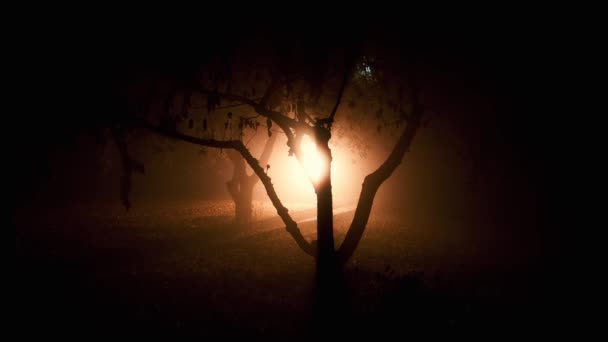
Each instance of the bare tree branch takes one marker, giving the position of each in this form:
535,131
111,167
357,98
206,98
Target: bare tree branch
283,121
330,119
268,146
374,180
230,97
235,105
287,124
301,112
276,84
290,225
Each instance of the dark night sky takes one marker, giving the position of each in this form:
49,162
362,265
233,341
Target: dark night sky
494,86
71,85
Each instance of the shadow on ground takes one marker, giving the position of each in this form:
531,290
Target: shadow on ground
81,276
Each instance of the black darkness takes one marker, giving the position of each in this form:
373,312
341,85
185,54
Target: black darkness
70,88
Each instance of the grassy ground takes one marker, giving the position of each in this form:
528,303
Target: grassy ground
183,269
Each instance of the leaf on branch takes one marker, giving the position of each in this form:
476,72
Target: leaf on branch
269,123
269,133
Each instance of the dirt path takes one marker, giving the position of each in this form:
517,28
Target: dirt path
303,217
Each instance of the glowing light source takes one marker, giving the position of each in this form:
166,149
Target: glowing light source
292,179
311,159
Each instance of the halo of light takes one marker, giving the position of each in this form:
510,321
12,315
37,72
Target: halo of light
311,160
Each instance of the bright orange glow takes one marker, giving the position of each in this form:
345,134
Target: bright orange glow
293,181
311,160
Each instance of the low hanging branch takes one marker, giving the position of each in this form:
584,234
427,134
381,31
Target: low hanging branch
350,62
287,124
290,127
330,119
265,156
290,225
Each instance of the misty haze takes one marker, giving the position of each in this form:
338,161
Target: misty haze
284,186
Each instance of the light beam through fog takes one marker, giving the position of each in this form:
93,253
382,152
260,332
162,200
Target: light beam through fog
312,161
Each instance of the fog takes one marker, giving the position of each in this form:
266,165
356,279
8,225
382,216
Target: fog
451,239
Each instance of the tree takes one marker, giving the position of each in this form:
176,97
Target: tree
241,185
305,87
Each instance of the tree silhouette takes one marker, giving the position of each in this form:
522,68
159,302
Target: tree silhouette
306,89
241,185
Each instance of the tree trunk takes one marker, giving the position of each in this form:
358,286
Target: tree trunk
242,203
325,216
325,223
329,284
328,271
241,185
240,188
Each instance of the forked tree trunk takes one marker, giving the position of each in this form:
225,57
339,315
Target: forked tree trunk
372,183
330,286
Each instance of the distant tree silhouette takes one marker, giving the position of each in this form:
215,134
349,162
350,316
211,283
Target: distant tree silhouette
241,185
